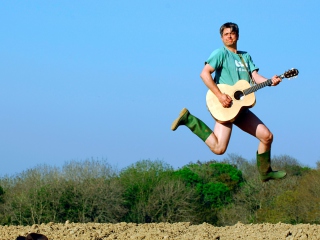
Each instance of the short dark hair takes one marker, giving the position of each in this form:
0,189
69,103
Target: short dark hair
234,27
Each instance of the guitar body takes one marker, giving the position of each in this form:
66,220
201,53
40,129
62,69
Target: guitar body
239,101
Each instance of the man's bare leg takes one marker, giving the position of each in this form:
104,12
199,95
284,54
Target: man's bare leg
216,140
219,139
251,124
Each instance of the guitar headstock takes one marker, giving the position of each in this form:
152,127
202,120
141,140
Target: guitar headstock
291,73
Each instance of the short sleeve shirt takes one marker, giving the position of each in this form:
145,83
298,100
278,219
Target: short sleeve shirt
228,66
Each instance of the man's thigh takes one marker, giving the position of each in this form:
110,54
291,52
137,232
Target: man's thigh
250,123
223,132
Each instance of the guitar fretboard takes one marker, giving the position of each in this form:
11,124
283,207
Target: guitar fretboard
257,87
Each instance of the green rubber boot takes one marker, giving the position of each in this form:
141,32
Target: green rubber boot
194,124
265,170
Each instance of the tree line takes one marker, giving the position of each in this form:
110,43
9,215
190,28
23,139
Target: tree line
220,193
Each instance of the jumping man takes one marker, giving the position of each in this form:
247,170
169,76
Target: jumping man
227,63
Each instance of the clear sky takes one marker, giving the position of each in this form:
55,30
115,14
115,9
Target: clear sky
105,79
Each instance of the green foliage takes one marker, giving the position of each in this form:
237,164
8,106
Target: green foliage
1,195
299,204
69,202
220,193
80,192
290,164
216,194
292,200
215,184
190,178
139,181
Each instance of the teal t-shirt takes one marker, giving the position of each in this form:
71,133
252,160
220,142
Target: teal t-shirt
229,67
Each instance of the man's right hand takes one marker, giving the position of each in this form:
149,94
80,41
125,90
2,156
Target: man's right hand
225,100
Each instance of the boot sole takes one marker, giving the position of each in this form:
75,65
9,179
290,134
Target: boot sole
175,123
276,179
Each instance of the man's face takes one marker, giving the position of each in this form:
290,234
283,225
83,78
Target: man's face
229,38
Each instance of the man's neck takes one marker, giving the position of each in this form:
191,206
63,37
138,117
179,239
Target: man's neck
232,48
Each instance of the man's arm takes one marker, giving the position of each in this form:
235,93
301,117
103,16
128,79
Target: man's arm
259,79
206,77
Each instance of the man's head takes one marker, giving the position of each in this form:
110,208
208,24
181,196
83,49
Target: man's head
233,27
230,35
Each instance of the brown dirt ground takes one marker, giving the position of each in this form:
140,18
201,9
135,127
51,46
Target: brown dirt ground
154,231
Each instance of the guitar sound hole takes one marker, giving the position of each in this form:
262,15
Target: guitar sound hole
238,95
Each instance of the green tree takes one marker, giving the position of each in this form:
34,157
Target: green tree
1,195
91,193
140,181
80,192
274,201
215,184
172,201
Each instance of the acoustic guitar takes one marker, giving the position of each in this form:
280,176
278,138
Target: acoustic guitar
242,95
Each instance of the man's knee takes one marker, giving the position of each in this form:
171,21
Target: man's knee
267,138
218,150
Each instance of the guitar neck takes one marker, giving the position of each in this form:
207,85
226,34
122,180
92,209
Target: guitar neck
291,73
288,74
257,87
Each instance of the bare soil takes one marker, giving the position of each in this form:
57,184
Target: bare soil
154,231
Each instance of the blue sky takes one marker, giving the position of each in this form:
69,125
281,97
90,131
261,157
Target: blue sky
105,79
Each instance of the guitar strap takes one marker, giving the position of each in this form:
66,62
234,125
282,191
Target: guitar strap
252,82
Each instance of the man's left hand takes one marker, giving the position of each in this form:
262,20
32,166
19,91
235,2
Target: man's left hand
275,80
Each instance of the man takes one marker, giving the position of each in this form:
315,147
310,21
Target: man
227,63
